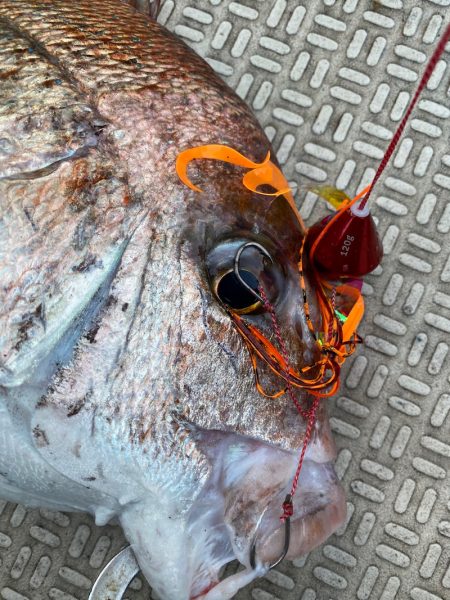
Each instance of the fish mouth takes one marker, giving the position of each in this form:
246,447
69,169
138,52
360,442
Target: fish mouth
319,509
306,532
183,549
252,482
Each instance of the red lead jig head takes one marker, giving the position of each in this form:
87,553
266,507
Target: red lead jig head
345,246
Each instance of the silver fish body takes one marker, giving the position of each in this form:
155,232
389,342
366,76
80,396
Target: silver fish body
125,389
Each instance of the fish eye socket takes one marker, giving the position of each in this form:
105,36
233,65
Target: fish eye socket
233,294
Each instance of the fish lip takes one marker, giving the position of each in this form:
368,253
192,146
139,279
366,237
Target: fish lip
307,531
319,509
320,502
332,513
205,591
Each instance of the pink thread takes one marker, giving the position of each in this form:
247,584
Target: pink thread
423,82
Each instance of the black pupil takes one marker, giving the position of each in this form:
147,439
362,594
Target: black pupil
231,291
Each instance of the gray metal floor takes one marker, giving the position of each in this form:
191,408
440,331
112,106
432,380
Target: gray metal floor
330,80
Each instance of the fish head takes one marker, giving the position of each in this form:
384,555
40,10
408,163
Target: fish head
157,410
251,443
124,368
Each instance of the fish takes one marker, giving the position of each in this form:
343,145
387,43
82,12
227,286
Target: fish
126,390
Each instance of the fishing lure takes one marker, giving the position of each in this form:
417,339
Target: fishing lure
341,249
336,341
338,338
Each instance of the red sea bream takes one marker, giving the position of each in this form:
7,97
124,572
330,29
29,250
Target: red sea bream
126,390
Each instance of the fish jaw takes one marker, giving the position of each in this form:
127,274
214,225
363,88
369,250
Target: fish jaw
309,530
182,550
254,498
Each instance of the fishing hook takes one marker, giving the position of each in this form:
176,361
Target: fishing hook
287,537
237,258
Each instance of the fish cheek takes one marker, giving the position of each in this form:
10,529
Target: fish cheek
214,364
216,383
215,371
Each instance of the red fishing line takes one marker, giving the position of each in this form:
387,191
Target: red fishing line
348,244
423,82
308,414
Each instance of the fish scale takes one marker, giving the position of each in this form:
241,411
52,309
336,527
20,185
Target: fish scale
108,49
42,101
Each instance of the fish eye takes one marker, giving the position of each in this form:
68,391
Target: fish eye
233,294
242,271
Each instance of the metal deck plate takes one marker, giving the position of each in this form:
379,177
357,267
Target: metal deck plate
330,80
